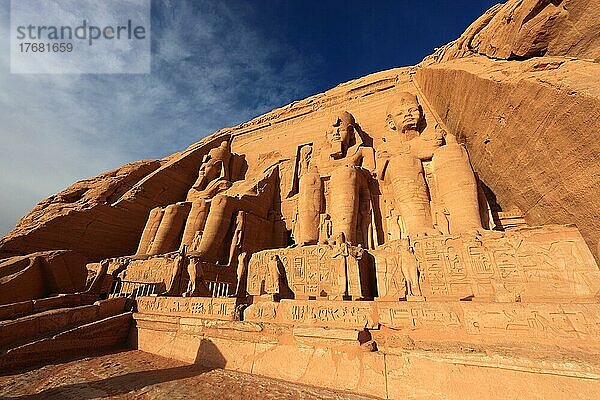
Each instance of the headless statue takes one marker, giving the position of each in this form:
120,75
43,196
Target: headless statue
163,228
253,198
457,187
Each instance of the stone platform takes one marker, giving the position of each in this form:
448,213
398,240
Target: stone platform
390,350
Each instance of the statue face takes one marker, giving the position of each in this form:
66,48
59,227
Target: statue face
340,135
405,116
209,170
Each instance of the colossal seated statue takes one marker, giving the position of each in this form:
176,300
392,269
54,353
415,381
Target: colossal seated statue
247,204
348,164
163,229
400,165
418,190
214,213
214,177
457,187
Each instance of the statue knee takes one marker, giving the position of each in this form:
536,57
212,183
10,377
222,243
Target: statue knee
219,200
345,173
171,209
155,210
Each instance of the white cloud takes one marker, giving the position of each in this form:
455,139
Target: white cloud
209,70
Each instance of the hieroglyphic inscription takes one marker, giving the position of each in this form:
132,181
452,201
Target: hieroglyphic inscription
339,314
309,270
471,319
577,321
529,263
506,320
312,104
201,307
418,315
153,270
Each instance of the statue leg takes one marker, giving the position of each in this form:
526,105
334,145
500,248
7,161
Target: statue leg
212,244
457,187
309,208
344,197
365,227
150,229
410,193
195,222
169,231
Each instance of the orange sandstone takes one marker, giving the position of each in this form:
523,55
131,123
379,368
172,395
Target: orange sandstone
420,232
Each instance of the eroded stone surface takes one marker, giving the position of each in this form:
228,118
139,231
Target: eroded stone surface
531,28
41,274
531,129
414,233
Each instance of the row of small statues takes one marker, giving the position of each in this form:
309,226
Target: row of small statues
270,281
351,274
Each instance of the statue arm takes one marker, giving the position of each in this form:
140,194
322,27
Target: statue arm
422,147
368,158
382,161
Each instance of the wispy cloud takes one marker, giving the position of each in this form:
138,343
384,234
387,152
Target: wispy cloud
209,69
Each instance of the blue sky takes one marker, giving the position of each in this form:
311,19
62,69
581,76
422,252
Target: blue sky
214,64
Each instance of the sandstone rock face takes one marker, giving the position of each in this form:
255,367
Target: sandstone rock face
386,231
41,274
522,29
80,217
531,129
104,216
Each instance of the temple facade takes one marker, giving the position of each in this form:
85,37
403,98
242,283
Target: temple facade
421,232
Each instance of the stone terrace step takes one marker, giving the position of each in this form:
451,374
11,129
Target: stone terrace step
24,308
47,323
108,333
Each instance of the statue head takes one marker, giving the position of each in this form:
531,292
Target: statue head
214,164
223,152
404,113
342,134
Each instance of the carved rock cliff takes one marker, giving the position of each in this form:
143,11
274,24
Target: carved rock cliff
528,106
508,88
521,29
